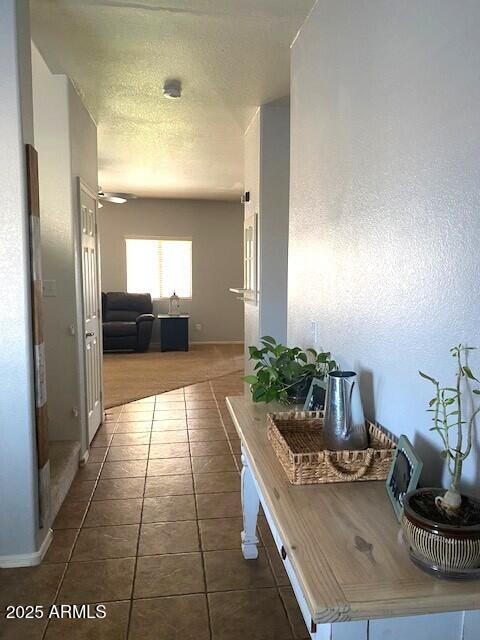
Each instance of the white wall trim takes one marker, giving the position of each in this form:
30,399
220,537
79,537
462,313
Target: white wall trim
79,325
251,121
82,100
27,559
297,35
84,459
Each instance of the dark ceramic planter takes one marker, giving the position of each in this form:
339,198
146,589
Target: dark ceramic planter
297,394
449,548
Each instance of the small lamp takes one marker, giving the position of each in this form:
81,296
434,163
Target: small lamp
174,305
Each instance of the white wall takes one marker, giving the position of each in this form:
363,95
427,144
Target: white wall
216,230
385,187
83,165
19,532
83,142
267,155
274,210
252,185
51,121
66,141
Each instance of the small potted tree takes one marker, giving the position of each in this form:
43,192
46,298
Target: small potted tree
443,527
283,373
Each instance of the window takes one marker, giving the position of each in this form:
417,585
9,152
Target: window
159,266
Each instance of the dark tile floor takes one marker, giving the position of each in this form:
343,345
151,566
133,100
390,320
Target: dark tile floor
151,527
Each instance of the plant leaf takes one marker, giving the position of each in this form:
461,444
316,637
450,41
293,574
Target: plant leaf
258,394
424,375
254,352
263,377
468,372
267,347
250,379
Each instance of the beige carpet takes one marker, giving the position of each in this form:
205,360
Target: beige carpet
131,376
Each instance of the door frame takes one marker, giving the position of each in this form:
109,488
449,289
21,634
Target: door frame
81,185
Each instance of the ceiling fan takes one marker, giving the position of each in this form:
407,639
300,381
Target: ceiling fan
116,197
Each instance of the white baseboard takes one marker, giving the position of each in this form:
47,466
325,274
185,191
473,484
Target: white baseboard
27,559
157,344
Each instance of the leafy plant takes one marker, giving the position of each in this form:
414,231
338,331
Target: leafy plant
454,427
279,368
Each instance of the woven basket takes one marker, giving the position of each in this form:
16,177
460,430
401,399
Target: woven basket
297,439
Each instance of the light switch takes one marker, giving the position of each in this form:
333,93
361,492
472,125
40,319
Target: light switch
49,288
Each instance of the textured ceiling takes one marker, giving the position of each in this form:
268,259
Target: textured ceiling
231,56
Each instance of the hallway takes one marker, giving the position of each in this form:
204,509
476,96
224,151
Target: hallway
151,527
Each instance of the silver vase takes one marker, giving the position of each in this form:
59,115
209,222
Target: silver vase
344,421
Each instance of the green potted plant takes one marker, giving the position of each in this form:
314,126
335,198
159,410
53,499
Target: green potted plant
283,373
443,527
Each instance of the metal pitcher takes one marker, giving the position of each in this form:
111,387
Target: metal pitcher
344,422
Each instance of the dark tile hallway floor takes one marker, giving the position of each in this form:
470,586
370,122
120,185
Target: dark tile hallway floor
151,527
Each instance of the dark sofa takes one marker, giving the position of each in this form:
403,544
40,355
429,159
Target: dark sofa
127,321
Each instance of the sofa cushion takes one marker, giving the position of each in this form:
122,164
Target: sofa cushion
126,306
119,329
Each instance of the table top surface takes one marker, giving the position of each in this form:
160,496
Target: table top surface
342,540
162,316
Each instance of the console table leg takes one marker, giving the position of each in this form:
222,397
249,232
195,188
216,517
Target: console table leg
250,506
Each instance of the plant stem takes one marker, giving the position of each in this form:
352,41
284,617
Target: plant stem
445,436
471,423
451,501
458,452
457,473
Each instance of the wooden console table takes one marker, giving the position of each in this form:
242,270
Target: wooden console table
341,549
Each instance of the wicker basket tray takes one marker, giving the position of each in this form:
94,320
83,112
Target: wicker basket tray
297,439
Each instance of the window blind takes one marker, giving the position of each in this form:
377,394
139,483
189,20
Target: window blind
159,267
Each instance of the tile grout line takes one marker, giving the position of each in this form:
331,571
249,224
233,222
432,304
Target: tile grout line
130,609
269,562
117,421
180,595
80,527
224,427
202,556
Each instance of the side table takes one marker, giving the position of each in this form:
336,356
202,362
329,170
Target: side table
173,332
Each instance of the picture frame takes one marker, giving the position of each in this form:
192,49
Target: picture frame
315,399
404,474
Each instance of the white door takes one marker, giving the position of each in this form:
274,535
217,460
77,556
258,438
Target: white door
91,310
